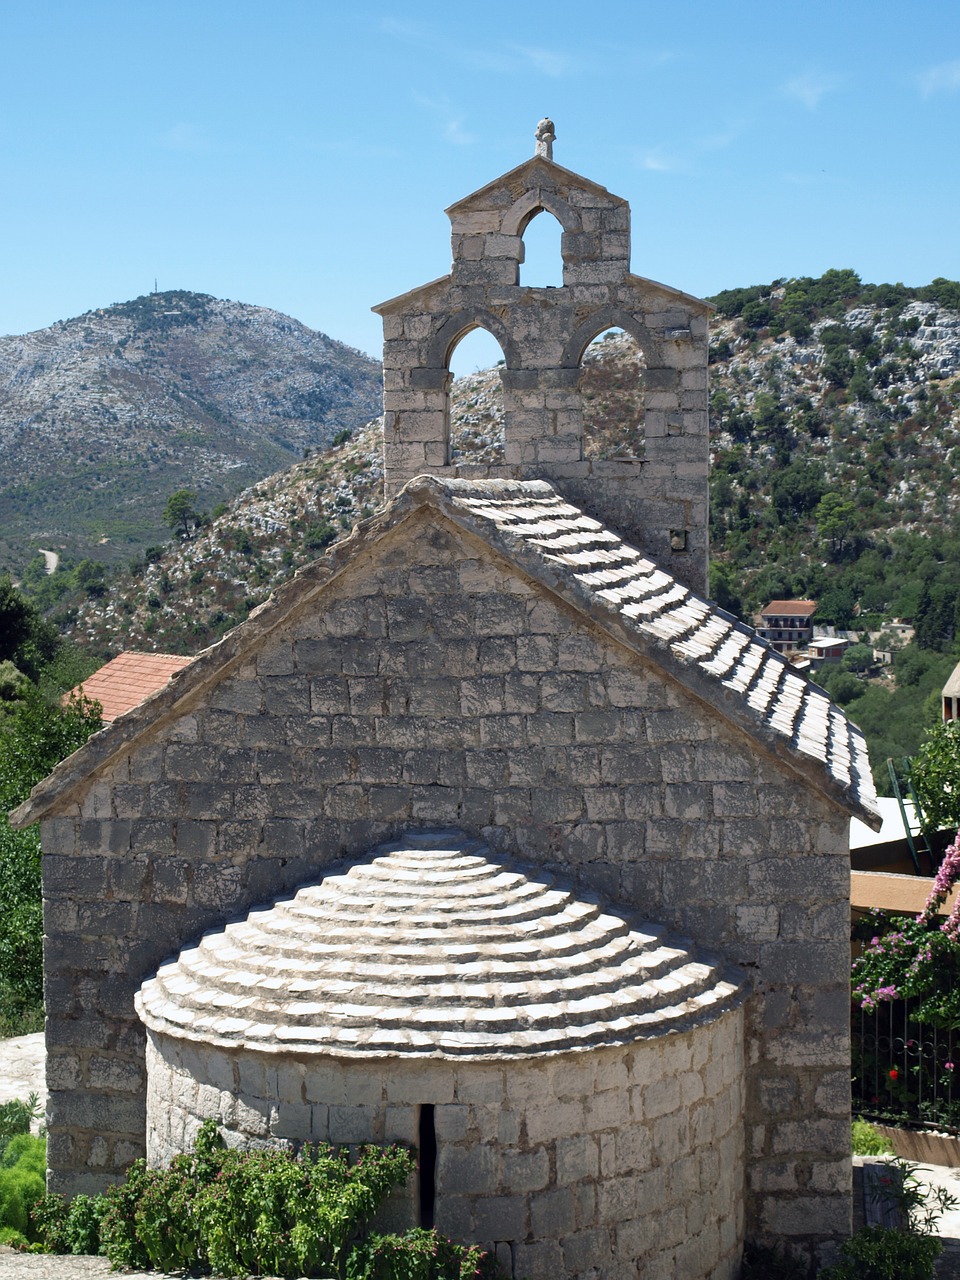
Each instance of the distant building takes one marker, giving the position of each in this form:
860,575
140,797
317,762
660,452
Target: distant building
828,648
951,696
787,624
129,678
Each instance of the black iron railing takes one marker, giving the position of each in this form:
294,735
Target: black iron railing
904,1071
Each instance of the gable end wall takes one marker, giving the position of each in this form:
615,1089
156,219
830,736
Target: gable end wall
435,687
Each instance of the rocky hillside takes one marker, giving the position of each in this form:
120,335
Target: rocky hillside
102,417
857,406
835,446
864,403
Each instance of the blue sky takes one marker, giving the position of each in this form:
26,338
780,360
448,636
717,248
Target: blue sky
299,155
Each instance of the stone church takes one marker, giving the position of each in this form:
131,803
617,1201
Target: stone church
487,832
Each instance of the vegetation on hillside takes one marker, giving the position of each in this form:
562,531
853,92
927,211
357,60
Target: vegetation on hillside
835,437
835,428
103,416
36,732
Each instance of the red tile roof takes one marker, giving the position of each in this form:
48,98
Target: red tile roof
793,608
129,678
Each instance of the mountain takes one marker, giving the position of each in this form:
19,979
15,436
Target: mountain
104,416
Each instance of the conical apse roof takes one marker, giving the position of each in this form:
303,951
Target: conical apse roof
432,945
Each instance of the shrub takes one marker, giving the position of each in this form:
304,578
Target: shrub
16,1118
22,1170
883,1253
416,1255
239,1212
867,1142
319,535
68,1227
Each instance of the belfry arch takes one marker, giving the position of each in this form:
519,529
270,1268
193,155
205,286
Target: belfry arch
613,397
475,430
657,501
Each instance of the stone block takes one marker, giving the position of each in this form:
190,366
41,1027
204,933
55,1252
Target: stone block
525,1171
451,1122
585,1252
352,1124
542,1260
473,1170
552,1213
578,1157
501,1217
426,1084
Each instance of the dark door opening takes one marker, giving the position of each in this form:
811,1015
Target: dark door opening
427,1151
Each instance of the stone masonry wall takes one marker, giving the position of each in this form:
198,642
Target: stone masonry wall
433,686
602,1165
657,502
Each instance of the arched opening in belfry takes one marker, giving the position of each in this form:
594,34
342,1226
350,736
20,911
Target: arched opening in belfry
612,391
541,265
475,399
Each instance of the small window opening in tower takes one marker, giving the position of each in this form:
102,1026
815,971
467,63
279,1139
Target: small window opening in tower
476,400
427,1155
612,396
542,265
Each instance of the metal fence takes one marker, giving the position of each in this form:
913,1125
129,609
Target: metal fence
905,1072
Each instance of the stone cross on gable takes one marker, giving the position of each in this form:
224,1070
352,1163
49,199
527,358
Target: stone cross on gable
545,135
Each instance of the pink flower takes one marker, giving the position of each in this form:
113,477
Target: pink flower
949,1066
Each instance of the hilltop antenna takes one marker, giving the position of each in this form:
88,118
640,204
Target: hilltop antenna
155,289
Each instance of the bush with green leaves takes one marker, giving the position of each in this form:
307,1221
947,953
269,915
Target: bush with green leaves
22,1172
34,738
916,959
68,1226
889,1253
17,1117
419,1254
884,1253
935,774
260,1212
866,1141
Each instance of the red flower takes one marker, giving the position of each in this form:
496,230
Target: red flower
893,1073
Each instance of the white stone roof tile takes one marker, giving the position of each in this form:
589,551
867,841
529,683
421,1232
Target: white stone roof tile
378,982
693,631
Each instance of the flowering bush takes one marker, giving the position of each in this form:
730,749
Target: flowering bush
917,959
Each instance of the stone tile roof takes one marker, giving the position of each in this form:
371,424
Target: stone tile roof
756,684
433,945
129,678
718,659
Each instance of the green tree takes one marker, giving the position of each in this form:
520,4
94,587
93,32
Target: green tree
26,639
936,616
836,518
33,740
796,490
180,513
859,657
935,773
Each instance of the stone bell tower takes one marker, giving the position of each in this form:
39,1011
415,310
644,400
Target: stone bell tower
657,501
